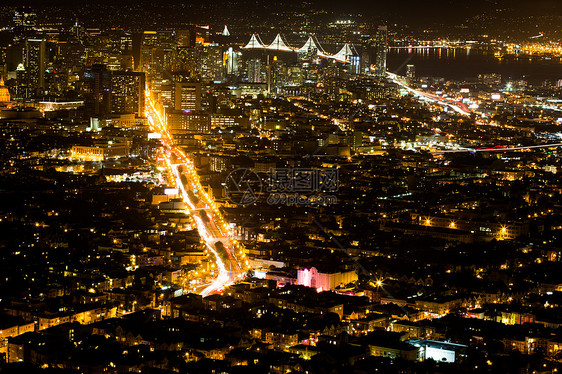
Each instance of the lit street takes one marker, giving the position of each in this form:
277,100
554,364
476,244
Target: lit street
228,255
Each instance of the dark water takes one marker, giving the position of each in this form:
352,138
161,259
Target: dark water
460,63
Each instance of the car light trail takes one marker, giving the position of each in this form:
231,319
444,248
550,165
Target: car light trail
213,229
458,107
501,148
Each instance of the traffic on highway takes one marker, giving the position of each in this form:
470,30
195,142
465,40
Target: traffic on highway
227,253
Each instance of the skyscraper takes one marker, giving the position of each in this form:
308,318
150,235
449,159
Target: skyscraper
366,51
254,70
210,62
381,50
127,92
187,96
34,61
149,41
231,61
355,65
22,82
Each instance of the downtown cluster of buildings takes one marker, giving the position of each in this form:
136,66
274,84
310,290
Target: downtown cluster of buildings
396,223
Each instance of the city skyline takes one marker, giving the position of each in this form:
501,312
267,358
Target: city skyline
257,187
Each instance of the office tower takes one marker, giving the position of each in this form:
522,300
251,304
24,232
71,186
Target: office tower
381,50
21,77
187,96
411,72
97,90
34,61
231,62
126,44
127,92
210,62
365,59
78,32
22,82
254,70
185,60
149,41
166,39
366,51
354,65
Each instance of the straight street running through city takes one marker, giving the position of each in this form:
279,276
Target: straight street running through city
228,254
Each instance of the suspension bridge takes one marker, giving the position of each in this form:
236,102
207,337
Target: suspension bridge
311,46
345,54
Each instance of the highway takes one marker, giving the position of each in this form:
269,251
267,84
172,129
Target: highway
457,106
500,148
228,254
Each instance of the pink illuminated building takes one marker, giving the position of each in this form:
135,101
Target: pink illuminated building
324,281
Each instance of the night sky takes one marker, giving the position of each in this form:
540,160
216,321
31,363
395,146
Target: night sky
411,9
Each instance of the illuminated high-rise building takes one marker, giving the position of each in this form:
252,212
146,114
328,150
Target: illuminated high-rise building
35,61
185,60
210,62
22,82
381,48
187,96
354,65
366,51
149,42
127,92
254,70
78,31
231,61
